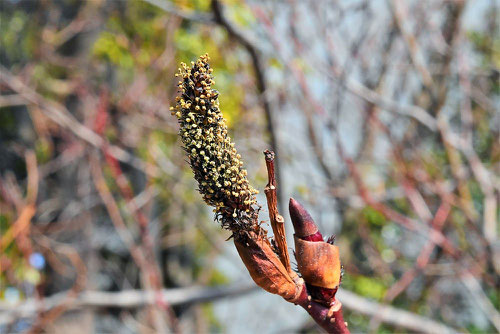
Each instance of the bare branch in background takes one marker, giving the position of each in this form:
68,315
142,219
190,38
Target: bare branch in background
182,296
122,299
392,315
60,115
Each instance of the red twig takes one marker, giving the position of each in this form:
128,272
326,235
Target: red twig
330,319
146,250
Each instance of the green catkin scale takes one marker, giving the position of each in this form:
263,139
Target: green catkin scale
216,165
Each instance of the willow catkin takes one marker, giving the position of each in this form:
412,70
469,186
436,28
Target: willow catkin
215,163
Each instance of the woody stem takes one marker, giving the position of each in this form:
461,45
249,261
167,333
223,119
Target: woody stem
277,221
330,319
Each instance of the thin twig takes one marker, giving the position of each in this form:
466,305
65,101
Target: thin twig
21,226
12,100
400,13
277,221
114,213
482,300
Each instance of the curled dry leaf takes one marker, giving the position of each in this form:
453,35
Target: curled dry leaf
265,267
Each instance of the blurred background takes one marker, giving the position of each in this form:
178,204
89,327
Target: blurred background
384,116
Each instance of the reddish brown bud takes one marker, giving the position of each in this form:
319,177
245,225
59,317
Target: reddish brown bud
318,261
303,224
